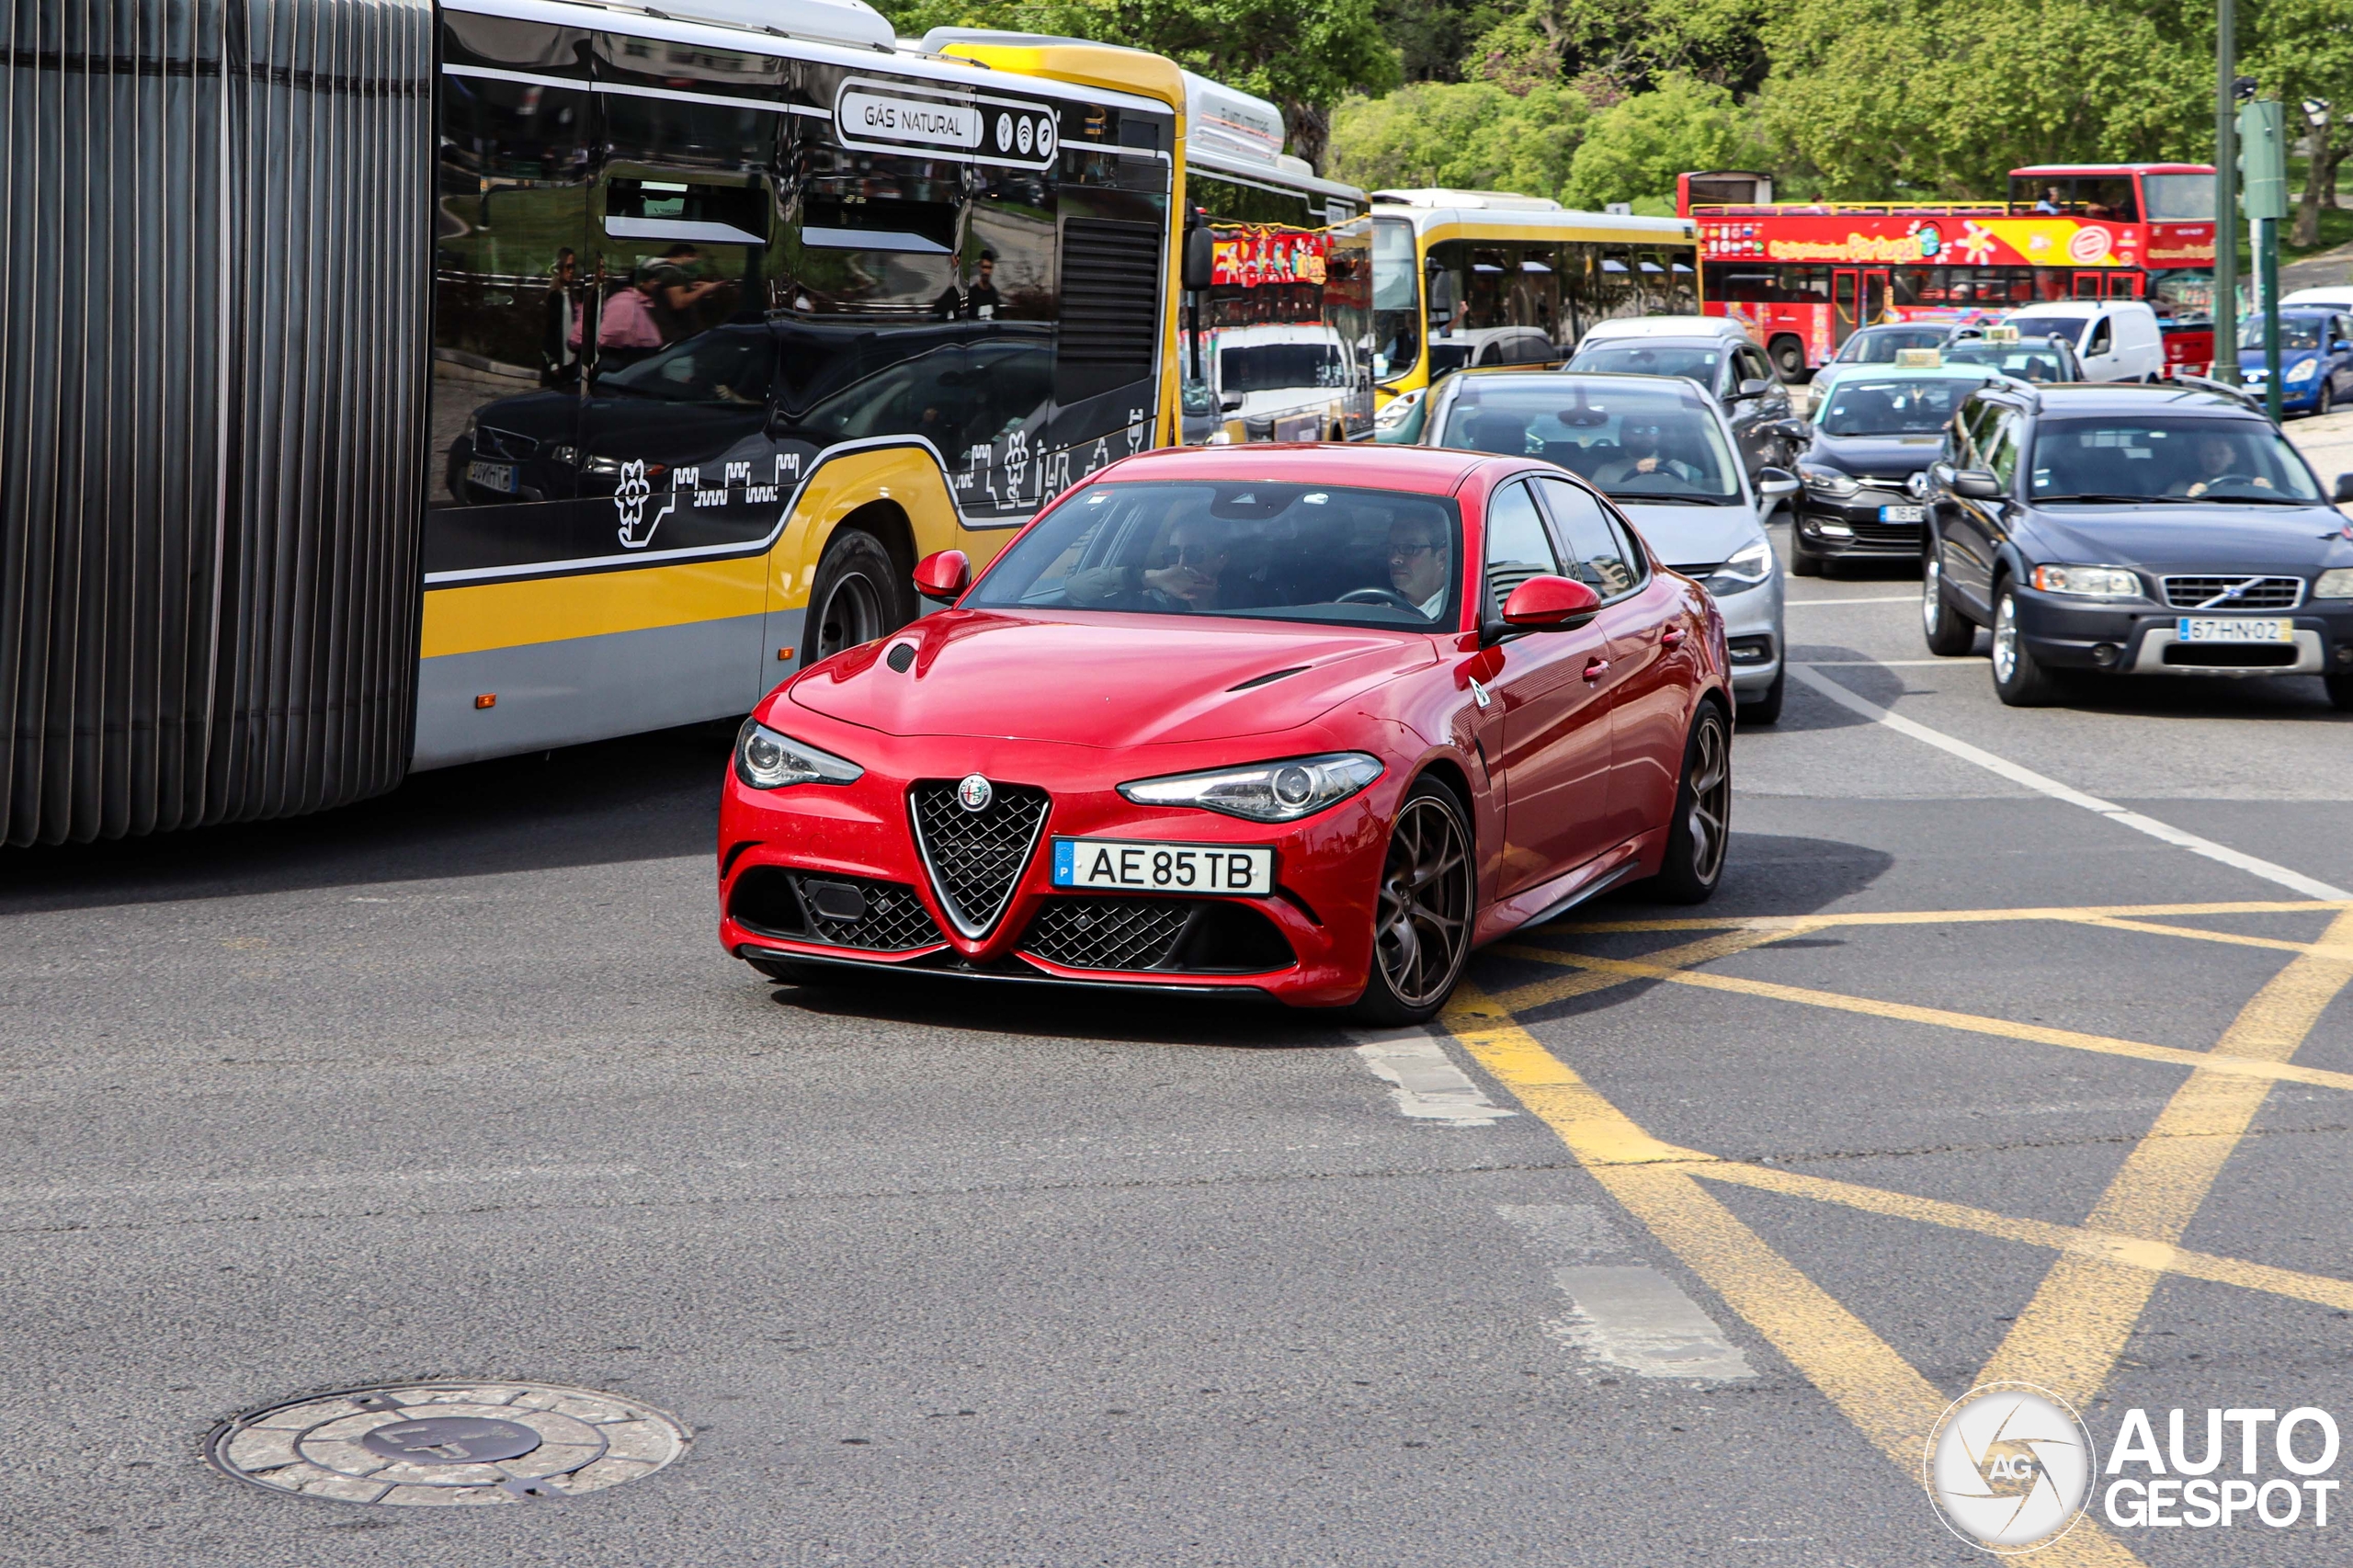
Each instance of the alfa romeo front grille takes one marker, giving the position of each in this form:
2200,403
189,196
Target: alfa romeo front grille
1108,933
2254,593
976,857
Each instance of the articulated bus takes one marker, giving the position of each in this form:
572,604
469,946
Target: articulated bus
1464,277
386,386
1803,275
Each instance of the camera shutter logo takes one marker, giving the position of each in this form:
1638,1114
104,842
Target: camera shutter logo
2010,1467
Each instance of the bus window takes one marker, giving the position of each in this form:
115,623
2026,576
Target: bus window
2179,198
1231,200
1396,300
515,290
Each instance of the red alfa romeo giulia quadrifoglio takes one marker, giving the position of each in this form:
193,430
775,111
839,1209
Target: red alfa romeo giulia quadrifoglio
1312,722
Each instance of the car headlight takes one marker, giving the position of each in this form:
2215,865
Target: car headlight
2089,582
1270,792
1392,412
1747,567
2303,370
1827,481
2336,583
766,760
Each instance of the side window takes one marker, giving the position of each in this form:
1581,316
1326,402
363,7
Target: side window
1968,428
1753,365
1518,546
1600,555
2103,336
2002,451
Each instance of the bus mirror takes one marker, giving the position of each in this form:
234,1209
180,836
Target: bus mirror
944,576
1201,260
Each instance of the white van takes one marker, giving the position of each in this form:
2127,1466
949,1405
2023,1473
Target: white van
2336,297
2117,340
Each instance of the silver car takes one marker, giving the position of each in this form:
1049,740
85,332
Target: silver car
1660,448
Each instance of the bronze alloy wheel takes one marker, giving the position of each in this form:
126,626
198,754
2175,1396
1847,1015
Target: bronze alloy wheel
1422,930
1708,822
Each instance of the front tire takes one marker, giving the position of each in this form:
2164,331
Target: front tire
2324,401
1789,359
1421,924
1803,562
861,594
2340,691
2020,680
1700,832
1949,633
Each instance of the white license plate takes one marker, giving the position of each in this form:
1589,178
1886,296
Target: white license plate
492,476
2209,629
1162,868
1903,514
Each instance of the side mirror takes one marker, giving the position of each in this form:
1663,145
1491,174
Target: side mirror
1201,259
1756,386
944,576
1230,403
2344,489
1793,430
1550,604
1775,482
1977,485
1940,474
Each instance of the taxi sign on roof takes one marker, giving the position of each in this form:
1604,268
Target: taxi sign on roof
1918,359
2001,335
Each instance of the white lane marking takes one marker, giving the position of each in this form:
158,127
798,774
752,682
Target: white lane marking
1890,599
1887,664
1423,1080
325,1181
2295,881
1621,1315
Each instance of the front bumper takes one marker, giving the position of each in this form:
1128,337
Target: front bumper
1308,944
1853,527
2144,640
1754,642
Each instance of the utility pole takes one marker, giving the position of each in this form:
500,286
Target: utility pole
2263,158
2225,367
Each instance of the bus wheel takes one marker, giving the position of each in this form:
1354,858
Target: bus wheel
861,594
1789,358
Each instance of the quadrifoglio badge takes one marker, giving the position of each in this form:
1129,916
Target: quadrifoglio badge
2012,1468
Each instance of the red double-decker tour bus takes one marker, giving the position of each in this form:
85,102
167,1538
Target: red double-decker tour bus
1803,275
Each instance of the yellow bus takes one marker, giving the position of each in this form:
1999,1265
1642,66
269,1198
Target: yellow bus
1464,277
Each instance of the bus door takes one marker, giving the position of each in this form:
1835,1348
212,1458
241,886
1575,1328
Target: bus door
1874,296
2087,285
2123,285
1844,288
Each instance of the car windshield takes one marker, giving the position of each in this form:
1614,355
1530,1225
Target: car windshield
2026,361
1446,356
1893,405
1637,441
1881,347
2069,327
1279,367
2178,459
1687,360
2295,331
1267,551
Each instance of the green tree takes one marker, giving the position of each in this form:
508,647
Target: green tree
1629,45
1473,135
2300,49
1634,149
1303,56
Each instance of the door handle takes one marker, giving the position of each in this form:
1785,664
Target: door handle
1671,638
1596,668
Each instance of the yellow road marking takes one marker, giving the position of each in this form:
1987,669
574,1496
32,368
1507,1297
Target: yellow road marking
2109,922
1537,993
1860,1373
2262,1069
2071,1334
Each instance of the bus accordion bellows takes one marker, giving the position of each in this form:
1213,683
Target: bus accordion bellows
387,387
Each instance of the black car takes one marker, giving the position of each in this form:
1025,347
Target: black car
2134,530
1869,439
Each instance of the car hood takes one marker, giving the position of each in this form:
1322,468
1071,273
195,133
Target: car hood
1886,456
1104,679
1693,535
2196,538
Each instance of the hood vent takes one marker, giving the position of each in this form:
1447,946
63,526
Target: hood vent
1268,679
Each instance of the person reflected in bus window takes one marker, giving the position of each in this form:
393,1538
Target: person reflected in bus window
982,303
626,331
560,322
677,288
1421,567
1640,453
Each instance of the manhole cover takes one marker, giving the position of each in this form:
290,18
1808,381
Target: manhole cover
448,1443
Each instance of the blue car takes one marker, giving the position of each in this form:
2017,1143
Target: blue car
2315,359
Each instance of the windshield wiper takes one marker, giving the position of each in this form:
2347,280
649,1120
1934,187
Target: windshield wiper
2135,500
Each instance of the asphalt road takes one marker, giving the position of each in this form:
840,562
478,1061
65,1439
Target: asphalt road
1660,1253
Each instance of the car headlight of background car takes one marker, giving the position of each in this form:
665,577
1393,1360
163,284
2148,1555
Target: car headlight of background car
2302,370
1748,567
2089,582
1827,481
766,760
2336,583
1268,791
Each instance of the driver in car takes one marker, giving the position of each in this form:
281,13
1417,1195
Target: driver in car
1421,565
2218,459
1639,455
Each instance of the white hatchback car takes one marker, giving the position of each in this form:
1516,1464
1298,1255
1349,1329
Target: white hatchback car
1662,450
